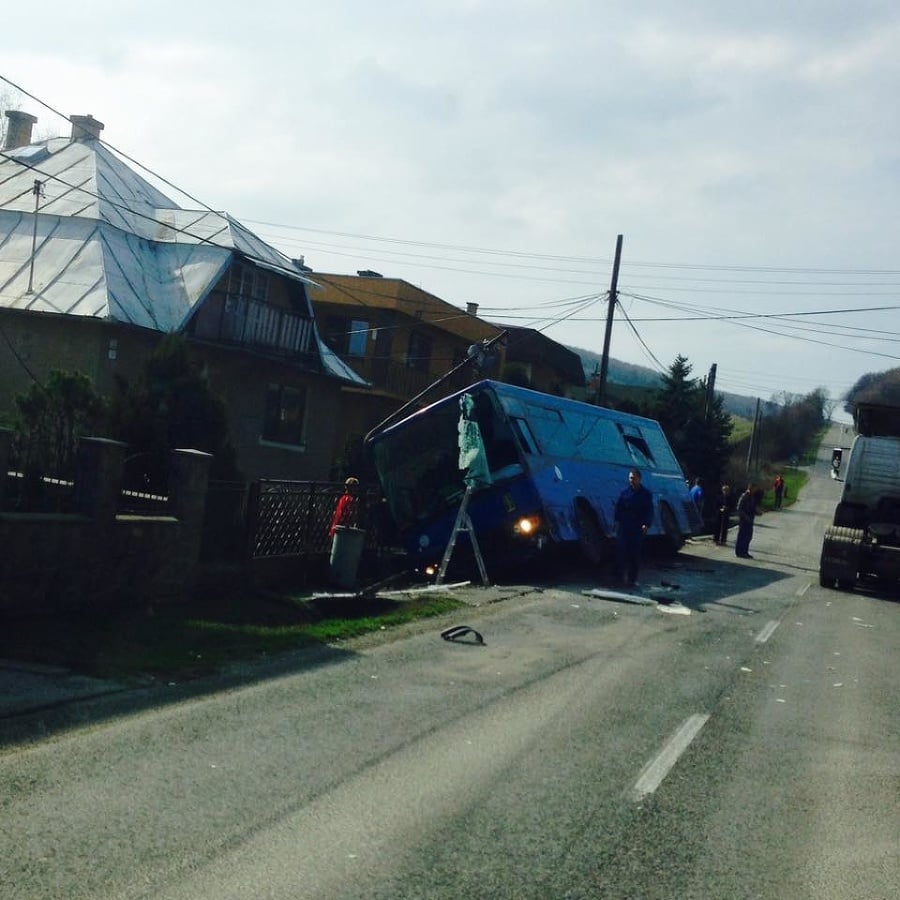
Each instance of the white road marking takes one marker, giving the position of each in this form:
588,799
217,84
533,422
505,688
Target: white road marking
803,589
656,770
766,633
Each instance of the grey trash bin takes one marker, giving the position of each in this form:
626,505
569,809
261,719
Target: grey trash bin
346,550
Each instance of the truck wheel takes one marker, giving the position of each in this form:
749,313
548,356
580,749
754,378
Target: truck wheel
591,539
841,549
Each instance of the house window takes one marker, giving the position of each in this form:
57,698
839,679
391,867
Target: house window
356,340
284,415
419,354
248,282
347,337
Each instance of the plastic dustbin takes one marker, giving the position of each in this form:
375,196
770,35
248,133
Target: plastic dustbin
346,551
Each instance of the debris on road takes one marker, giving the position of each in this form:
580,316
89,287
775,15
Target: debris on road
457,632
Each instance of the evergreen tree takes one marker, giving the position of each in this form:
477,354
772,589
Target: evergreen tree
698,435
51,417
171,405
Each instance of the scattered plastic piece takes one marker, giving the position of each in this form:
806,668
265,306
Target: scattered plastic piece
673,608
457,632
621,597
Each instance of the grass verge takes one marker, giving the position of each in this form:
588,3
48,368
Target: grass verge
205,634
794,481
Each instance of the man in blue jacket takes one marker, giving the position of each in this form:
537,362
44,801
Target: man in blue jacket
633,515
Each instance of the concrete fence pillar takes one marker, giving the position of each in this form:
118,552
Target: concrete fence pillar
98,478
6,439
188,483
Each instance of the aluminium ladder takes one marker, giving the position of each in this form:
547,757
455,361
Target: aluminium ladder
463,523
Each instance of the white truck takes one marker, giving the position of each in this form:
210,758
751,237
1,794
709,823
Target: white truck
864,539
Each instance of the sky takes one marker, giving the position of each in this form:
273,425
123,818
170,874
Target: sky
492,152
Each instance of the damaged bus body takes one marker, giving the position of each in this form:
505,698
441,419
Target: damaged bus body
556,468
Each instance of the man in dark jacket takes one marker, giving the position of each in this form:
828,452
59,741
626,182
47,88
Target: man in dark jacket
633,514
746,512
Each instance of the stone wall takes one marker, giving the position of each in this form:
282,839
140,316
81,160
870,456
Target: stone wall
95,559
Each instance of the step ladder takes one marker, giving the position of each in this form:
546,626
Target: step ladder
463,523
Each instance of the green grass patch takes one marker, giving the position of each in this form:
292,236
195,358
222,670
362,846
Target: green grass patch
794,481
206,634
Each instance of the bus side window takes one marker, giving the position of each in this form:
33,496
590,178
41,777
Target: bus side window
639,450
637,446
526,438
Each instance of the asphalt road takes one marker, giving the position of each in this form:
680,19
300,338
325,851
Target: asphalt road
744,745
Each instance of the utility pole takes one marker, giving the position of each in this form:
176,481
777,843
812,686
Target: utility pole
38,191
613,293
752,438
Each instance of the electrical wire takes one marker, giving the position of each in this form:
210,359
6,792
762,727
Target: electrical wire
576,306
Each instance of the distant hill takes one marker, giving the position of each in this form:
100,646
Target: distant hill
631,375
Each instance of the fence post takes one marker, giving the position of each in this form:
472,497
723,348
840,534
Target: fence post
252,519
6,437
187,495
98,478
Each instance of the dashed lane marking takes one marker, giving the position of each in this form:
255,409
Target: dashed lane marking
656,770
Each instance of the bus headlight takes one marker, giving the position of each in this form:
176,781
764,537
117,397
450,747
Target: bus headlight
527,525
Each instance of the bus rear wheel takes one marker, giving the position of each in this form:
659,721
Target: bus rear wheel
673,539
591,538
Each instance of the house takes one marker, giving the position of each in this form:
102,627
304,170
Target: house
537,361
401,340
97,265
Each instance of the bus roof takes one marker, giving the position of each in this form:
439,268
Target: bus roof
525,394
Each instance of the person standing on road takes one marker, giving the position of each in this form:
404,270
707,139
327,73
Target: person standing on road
746,512
346,513
724,509
697,494
778,489
632,516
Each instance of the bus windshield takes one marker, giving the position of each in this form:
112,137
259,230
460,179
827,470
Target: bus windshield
418,463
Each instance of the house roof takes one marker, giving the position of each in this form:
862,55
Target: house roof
108,244
530,345
376,292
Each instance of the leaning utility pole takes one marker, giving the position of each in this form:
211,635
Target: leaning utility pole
613,292
753,438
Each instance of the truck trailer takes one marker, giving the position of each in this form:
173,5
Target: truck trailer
863,540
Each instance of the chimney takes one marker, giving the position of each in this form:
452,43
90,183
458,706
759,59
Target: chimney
85,128
472,308
18,132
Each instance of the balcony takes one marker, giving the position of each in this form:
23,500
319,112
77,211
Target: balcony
255,323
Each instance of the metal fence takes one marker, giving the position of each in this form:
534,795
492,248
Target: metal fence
292,518
145,484
31,493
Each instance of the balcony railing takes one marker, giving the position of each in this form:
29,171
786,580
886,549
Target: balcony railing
256,323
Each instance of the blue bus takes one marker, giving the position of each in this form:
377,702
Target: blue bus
556,468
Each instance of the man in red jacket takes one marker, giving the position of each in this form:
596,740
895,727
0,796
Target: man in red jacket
346,512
